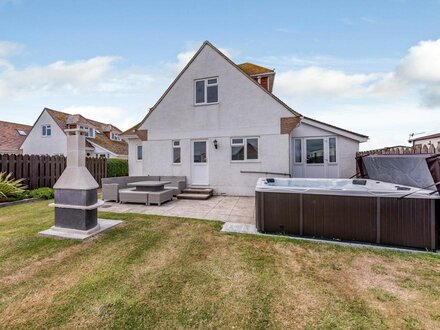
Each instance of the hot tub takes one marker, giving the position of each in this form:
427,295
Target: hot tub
358,210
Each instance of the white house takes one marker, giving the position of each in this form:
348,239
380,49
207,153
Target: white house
219,125
47,136
428,140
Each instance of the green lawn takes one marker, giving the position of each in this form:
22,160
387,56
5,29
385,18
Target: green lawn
158,272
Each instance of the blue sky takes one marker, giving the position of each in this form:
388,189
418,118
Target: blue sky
371,67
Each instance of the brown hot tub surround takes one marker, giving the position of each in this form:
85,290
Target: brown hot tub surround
349,210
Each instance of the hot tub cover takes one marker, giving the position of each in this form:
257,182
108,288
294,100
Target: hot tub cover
416,170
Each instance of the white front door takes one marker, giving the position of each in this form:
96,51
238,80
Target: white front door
199,163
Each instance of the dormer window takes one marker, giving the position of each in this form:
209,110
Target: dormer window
206,91
90,131
115,137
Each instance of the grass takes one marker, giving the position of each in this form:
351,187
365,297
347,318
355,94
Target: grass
162,272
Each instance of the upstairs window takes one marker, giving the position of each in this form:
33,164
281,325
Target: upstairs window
206,91
243,149
115,137
176,152
46,130
90,131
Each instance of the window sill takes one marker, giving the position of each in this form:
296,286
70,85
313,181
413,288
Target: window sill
245,161
205,104
176,164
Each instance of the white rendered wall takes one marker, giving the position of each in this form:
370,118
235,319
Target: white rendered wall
244,110
36,144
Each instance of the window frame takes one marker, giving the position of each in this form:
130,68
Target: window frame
244,145
336,150
205,80
21,132
324,143
301,151
139,154
44,129
114,136
178,146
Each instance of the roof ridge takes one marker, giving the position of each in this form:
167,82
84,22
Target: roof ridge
13,122
208,43
92,121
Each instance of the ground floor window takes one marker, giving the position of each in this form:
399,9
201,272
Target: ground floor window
245,148
176,152
139,152
315,151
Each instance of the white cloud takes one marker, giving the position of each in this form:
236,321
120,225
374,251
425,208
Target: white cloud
324,82
422,64
9,48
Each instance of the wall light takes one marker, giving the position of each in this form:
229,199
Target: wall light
215,144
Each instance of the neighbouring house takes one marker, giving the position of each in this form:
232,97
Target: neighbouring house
219,125
47,136
12,136
427,140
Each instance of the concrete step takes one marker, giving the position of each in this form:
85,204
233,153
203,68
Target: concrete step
202,191
197,196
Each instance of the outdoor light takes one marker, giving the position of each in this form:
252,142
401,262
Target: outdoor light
215,144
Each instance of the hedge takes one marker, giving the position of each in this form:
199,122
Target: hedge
117,167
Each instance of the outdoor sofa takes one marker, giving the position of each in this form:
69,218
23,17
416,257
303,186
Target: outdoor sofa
111,186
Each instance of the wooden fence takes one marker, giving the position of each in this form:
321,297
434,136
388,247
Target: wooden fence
43,171
402,150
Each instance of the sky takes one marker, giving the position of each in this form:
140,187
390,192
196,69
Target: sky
371,67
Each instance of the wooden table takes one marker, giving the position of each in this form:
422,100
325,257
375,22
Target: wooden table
149,185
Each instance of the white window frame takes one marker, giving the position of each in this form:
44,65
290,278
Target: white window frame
141,154
301,152
176,145
206,91
328,148
21,132
114,136
45,130
244,145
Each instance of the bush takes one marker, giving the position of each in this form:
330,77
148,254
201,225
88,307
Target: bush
10,188
117,167
43,193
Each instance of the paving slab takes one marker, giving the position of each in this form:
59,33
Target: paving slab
104,224
219,208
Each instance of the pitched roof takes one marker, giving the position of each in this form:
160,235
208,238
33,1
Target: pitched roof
207,43
430,136
366,137
253,69
10,139
116,147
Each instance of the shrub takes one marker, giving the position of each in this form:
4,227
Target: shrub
117,167
10,187
43,193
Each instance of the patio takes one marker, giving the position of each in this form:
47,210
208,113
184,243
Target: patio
223,208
